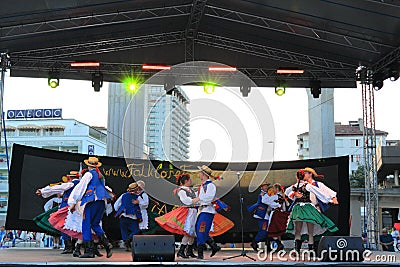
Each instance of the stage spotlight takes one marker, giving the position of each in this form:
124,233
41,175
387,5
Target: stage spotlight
209,88
393,75
377,84
53,80
97,81
315,88
245,90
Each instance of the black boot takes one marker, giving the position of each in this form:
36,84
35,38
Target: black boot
280,245
310,246
127,244
200,250
254,245
106,244
89,250
214,247
77,250
181,252
298,245
268,246
316,244
189,252
96,250
68,247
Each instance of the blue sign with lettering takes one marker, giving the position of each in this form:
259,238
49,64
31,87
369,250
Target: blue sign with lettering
91,149
34,113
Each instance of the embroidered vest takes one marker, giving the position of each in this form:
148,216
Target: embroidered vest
128,207
95,188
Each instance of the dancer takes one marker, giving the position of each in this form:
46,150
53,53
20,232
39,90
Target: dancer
260,209
278,217
128,210
64,189
92,193
206,195
143,199
183,219
309,197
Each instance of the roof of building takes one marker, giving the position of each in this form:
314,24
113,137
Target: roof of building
344,130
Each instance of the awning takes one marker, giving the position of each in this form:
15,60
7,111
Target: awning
28,126
9,127
53,127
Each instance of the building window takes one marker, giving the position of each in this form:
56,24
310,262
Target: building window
10,132
358,158
351,158
29,132
53,132
357,142
305,144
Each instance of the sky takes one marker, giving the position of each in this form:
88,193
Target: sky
289,113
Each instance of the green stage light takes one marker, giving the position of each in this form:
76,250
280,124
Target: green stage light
53,83
209,88
132,84
280,90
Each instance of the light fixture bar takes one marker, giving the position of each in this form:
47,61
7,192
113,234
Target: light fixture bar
222,69
155,67
289,71
85,64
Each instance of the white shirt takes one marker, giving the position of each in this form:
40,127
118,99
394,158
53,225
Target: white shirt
187,201
143,201
270,202
55,189
206,197
49,204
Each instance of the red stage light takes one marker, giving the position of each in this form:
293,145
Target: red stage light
221,68
155,67
85,64
289,71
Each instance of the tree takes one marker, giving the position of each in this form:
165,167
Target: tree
357,178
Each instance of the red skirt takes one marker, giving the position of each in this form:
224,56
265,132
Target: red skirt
174,222
57,220
277,223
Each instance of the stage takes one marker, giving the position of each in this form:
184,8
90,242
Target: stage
52,257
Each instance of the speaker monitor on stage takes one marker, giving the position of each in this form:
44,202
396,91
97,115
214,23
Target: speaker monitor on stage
341,248
153,248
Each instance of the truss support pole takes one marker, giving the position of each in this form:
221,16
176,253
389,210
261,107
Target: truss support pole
371,208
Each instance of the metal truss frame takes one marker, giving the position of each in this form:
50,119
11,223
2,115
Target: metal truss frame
345,40
371,207
192,28
94,20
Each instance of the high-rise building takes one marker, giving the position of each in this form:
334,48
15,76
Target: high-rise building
150,124
348,141
66,135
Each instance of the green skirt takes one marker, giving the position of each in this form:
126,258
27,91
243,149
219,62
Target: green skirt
42,220
306,212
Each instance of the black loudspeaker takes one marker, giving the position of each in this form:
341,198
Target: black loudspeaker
153,248
341,248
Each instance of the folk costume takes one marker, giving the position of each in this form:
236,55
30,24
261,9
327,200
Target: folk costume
315,197
129,214
206,194
265,202
143,204
92,193
65,188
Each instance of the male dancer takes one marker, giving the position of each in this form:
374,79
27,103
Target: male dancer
206,195
93,194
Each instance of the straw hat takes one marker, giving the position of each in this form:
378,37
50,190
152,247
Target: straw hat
206,170
264,183
132,187
93,162
141,183
313,172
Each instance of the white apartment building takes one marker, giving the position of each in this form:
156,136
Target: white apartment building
348,141
66,135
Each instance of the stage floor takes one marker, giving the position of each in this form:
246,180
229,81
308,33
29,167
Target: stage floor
52,257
